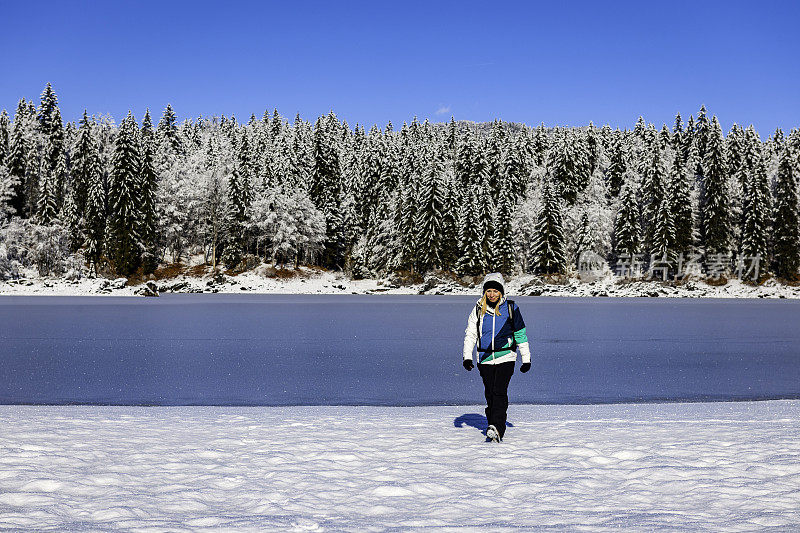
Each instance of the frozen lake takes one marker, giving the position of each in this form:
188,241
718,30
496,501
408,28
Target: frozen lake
387,350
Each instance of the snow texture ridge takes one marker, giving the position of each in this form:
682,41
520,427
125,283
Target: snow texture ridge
646,467
327,282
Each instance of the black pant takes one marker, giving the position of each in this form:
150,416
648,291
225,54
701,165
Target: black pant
495,386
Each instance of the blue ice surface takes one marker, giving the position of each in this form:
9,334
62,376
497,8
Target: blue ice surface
194,349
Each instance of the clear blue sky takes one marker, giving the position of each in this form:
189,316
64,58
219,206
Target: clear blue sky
556,62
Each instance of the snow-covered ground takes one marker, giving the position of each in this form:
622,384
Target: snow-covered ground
636,467
312,281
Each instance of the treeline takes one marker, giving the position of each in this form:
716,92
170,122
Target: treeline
460,197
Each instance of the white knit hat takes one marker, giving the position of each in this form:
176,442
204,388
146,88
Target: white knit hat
494,281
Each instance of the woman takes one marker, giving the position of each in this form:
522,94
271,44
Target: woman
497,339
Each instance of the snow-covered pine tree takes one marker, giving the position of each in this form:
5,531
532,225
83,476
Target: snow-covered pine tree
681,181
15,161
687,142
35,164
472,260
57,159
451,145
677,128
756,205
568,164
715,216
502,237
583,238
47,200
640,128
47,107
514,178
665,138
148,182
662,244
94,212
485,201
429,215
326,188
123,241
540,145
82,164
654,190
702,133
786,219
735,153
627,231
594,150
167,133
244,153
464,161
775,144
6,191
303,152
276,124
493,157
450,220
618,165
549,243
210,169
5,137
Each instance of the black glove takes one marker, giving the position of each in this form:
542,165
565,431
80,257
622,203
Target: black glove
468,364
525,367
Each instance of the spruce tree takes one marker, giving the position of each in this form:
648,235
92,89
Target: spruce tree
58,170
640,128
715,216
786,217
549,243
47,110
627,232
678,127
472,261
654,190
540,145
247,171
594,150
89,194
35,165
83,163
16,161
662,243
617,167
736,143
583,239
167,131
702,133
756,205
514,179
428,223
46,202
569,165
6,184
5,137
450,221
405,217
123,240
147,194
502,238
464,162
681,206
493,158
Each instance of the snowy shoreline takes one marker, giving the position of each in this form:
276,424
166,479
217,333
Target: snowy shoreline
638,467
311,281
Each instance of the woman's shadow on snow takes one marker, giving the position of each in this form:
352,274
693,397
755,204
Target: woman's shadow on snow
475,420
